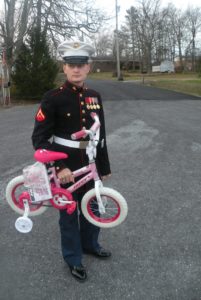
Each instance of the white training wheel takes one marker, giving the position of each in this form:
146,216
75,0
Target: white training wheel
23,224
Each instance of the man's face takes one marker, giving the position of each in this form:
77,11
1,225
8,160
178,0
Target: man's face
76,73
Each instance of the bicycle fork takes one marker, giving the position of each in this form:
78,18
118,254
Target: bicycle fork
98,185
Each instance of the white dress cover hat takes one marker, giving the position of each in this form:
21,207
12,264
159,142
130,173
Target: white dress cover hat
73,52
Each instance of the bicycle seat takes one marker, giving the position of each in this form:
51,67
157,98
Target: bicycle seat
45,156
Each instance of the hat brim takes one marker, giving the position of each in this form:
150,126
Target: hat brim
76,59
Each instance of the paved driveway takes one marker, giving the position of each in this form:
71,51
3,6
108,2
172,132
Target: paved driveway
155,152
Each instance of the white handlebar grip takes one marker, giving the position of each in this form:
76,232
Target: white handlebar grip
77,135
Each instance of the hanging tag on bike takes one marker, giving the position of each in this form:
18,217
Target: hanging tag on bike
36,180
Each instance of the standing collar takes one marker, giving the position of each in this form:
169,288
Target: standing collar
73,87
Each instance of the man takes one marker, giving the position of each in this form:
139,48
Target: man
62,112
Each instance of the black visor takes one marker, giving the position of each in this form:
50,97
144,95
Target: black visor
76,59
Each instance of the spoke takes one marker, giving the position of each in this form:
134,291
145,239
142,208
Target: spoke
112,208
104,214
95,210
110,215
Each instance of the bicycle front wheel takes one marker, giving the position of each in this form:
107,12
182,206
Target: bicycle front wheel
14,190
115,205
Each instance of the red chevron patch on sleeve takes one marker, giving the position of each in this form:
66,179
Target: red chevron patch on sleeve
40,116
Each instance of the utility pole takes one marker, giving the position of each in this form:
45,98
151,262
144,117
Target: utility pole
119,77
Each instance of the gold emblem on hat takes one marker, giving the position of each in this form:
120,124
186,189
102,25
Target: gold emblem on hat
76,45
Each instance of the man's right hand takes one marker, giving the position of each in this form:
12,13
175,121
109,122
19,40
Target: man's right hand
65,176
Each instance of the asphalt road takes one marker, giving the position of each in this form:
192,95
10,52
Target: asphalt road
155,151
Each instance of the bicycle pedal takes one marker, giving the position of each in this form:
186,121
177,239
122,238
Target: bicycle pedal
71,208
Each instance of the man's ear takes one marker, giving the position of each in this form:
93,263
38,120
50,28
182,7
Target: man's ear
89,68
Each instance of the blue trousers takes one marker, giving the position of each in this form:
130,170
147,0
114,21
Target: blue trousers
77,235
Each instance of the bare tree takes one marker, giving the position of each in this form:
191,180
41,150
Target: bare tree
132,34
178,22
8,28
194,26
164,41
57,19
154,34
22,23
103,43
143,21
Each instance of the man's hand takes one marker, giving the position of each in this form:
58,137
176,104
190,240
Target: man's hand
65,176
106,176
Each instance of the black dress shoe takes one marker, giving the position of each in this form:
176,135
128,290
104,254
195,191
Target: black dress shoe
100,253
78,272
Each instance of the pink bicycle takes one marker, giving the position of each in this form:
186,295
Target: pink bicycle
38,188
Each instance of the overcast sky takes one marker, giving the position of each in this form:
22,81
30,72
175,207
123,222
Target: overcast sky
126,4
109,6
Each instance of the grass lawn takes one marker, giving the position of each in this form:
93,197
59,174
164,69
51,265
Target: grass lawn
191,87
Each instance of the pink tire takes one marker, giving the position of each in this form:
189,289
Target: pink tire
15,191
116,208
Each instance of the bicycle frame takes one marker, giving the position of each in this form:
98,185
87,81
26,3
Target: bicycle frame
91,174
90,169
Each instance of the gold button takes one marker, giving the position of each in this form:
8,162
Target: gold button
83,111
82,103
80,95
84,120
68,114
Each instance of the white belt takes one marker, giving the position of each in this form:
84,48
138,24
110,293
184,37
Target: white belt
70,143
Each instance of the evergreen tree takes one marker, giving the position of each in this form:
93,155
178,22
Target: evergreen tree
34,70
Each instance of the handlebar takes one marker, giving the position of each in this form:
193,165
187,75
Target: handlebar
84,132
78,135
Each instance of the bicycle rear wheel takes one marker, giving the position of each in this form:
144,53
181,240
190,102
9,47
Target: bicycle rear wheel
14,190
116,208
